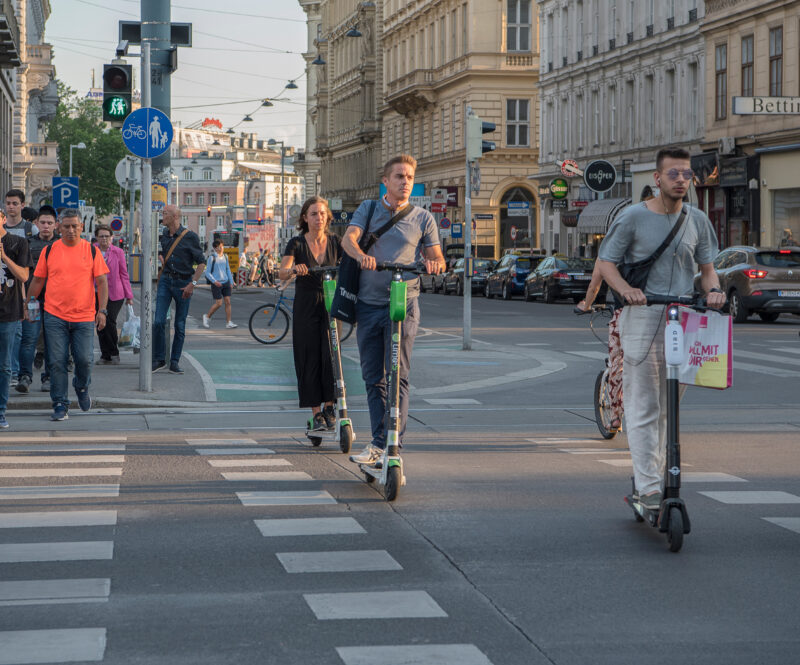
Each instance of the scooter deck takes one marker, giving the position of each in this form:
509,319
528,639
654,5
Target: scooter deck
651,516
325,435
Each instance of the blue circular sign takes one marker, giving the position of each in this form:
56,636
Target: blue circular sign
116,224
147,132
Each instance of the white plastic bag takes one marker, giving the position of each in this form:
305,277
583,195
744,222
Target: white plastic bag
130,330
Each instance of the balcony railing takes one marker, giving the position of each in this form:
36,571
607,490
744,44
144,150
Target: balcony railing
424,77
41,154
519,60
9,35
38,54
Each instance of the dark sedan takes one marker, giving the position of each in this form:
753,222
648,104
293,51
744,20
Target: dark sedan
508,276
558,277
454,278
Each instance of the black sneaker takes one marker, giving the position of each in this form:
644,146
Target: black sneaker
84,401
23,384
329,413
38,360
158,365
318,423
175,368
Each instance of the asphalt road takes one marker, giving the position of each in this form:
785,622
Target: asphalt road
510,543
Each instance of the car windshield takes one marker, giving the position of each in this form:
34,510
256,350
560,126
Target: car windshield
483,264
575,264
779,259
524,264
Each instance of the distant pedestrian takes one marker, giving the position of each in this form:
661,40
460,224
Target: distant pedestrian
15,223
119,293
14,269
182,263
71,267
219,275
47,223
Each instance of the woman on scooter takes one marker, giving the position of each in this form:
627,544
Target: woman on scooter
313,247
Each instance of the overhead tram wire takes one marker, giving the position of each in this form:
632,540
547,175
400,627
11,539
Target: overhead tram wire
221,11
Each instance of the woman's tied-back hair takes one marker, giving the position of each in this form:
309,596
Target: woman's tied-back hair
302,224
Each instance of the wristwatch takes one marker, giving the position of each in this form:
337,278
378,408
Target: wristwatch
194,282
716,289
103,311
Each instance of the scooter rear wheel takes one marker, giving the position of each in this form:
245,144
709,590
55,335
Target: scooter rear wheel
393,480
675,529
346,439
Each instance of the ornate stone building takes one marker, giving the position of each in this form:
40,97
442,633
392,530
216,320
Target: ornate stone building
9,61
35,160
307,164
751,159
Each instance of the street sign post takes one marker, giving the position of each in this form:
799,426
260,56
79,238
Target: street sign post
147,133
123,174
444,223
65,192
513,232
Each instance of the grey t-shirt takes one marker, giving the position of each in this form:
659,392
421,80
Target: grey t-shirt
637,233
400,244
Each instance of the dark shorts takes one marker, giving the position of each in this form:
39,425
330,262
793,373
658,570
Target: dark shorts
218,291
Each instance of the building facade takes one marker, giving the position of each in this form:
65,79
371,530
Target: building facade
307,162
35,159
619,79
749,164
9,62
441,58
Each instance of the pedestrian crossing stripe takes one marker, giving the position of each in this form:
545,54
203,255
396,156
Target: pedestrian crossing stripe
61,551
285,498
50,472
374,605
266,475
54,592
52,646
348,561
309,526
58,492
404,654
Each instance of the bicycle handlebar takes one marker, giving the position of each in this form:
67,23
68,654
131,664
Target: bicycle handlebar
592,310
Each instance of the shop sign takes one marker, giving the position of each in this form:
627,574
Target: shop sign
452,196
486,216
733,172
438,207
559,203
579,204
600,175
705,168
439,195
559,188
544,190
766,105
570,168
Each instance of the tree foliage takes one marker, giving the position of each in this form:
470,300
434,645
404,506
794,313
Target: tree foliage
77,120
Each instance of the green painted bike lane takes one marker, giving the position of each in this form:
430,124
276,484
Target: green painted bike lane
264,374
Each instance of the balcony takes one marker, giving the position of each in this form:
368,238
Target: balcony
595,49
580,56
38,55
9,36
412,91
612,44
40,157
629,37
519,60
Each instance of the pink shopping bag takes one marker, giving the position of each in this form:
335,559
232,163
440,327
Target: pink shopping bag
708,347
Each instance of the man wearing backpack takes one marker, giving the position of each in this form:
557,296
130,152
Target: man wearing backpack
218,274
15,224
70,267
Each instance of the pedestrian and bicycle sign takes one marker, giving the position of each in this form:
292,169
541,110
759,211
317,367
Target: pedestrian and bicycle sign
65,192
147,132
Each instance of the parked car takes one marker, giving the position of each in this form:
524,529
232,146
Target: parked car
508,276
759,280
434,282
454,278
559,277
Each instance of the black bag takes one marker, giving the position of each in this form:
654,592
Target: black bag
637,272
211,271
344,302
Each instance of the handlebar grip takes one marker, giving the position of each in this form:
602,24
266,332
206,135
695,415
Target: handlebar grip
695,301
399,267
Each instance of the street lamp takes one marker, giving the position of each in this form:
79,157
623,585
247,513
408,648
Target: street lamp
79,146
273,142
172,174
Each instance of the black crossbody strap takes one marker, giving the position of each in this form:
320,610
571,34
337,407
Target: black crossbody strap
675,228
373,237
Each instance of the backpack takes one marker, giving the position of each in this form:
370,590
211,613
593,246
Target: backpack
211,271
50,246
29,230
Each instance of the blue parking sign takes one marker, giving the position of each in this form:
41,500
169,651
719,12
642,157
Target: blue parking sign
147,132
65,192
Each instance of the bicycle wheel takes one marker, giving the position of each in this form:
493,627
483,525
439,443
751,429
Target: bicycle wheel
346,329
602,406
269,324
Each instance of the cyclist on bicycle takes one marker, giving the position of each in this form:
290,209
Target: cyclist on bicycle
315,246
635,236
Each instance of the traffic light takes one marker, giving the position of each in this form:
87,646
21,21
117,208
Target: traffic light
476,146
117,92
208,211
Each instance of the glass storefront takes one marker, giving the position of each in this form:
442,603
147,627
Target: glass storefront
786,217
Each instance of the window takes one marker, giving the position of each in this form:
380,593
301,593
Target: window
220,221
226,198
453,34
631,115
721,81
579,102
440,132
551,138
747,66
206,174
187,174
184,220
776,62
565,128
518,32
670,104
650,118
453,120
630,20
564,35
442,40
463,30
612,26
595,118
517,124
201,199
612,125
579,9
432,46
693,92
212,198
187,199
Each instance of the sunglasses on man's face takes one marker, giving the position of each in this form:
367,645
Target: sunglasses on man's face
673,174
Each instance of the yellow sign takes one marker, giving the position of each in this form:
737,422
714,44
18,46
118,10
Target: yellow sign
233,259
159,194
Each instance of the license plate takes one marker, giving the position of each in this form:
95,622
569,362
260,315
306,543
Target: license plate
582,278
789,294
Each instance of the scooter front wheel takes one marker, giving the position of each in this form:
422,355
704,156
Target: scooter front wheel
675,529
346,439
315,441
393,480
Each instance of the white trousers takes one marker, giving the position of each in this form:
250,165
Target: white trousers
644,393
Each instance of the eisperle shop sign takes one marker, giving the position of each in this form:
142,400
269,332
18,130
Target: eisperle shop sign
600,175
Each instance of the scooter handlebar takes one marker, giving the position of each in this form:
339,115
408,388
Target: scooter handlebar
321,270
400,267
695,300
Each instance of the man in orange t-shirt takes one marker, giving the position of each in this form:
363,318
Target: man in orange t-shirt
71,267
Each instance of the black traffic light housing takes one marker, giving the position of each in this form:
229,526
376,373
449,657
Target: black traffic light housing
476,146
117,92
208,211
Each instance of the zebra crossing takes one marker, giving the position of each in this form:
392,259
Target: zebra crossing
356,605
52,460
692,478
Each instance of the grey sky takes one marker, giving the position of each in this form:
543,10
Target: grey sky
237,38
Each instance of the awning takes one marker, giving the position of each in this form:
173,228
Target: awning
598,215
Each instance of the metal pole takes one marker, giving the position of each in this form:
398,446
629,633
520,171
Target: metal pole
467,344
283,198
132,190
70,161
146,334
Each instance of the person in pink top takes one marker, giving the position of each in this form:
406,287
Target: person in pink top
119,292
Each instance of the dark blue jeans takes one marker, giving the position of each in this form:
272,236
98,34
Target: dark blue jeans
8,332
63,336
373,333
170,289
16,345
27,347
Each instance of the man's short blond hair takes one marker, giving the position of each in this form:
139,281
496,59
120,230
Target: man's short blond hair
400,159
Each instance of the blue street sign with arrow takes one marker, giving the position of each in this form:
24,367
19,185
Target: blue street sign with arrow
147,132
65,192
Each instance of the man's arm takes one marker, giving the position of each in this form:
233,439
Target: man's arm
434,260
350,245
102,300
610,273
20,272
35,288
709,280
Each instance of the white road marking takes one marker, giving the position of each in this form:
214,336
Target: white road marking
49,472
234,451
67,645
205,377
253,387
745,497
535,344
45,592
764,369
62,459
285,498
61,438
57,492
413,654
595,451
79,551
266,475
791,523
374,605
560,440
309,526
710,477
221,442
617,462
63,448
593,355
766,357
452,402
60,518
785,349
337,562
249,462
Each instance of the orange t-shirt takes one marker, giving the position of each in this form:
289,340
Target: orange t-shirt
70,274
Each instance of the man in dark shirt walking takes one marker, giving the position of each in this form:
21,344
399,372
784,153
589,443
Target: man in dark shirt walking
183,262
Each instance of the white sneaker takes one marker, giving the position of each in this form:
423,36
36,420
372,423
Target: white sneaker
206,321
369,455
231,324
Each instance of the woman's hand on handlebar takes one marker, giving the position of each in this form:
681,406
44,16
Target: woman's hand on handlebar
301,269
368,262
